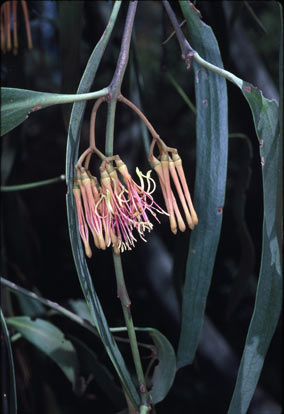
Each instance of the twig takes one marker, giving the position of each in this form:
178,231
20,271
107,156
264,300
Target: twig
173,33
36,184
53,305
186,50
126,304
188,53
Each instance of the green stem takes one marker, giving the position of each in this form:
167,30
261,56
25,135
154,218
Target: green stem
114,89
110,127
13,287
66,98
32,185
125,303
222,72
53,305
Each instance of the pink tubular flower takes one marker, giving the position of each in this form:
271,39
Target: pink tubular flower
168,168
114,211
92,217
178,165
83,228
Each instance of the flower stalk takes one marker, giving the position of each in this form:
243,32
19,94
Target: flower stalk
121,287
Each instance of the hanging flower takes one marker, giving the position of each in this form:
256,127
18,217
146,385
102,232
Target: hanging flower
114,211
168,168
115,208
83,228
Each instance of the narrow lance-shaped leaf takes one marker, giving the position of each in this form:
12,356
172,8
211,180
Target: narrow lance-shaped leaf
164,372
269,290
210,183
78,253
50,340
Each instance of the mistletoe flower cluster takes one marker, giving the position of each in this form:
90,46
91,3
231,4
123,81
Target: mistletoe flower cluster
170,168
115,209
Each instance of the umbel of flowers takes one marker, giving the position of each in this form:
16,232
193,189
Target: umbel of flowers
115,209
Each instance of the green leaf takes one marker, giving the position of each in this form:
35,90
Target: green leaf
268,301
9,396
30,307
80,307
164,372
18,104
210,183
78,253
50,340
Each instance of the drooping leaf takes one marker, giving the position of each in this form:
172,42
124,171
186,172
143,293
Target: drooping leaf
210,182
268,301
50,340
9,396
164,373
78,254
18,104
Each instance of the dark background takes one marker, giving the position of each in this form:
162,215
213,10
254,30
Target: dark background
36,251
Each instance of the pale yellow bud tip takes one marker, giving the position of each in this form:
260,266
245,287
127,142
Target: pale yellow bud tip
181,225
173,225
194,217
88,251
